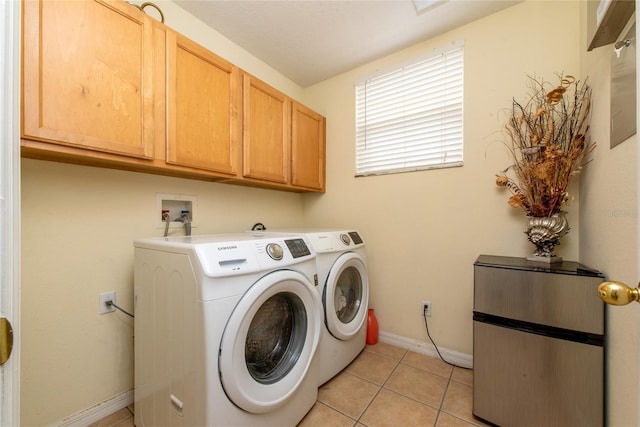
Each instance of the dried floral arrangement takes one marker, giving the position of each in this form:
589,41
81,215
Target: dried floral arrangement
549,143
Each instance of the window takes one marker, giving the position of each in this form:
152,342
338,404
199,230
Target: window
411,118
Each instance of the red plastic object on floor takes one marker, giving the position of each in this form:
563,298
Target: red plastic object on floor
372,328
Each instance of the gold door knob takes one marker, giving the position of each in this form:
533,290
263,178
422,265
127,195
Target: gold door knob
617,293
6,340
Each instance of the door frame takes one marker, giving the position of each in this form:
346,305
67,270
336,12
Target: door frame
637,398
10,204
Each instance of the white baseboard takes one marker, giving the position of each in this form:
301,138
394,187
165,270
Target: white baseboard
455,357
98,412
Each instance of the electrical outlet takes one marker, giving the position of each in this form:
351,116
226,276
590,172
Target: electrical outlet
104,297
425,308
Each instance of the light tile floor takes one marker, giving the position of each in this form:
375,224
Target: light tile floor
384,386
390,386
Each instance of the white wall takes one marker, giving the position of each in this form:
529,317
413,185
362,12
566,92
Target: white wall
425,229
608,235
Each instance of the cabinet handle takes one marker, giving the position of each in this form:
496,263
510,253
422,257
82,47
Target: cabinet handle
617,293
148,3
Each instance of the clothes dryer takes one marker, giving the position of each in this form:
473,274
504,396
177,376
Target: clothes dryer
343,284
227,330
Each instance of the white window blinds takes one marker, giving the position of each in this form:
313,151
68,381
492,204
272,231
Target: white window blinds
411,118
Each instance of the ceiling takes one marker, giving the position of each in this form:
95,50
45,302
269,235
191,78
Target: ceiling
309,41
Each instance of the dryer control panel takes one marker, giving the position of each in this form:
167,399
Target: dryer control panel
356,237
335,241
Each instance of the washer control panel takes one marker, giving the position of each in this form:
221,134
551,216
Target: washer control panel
297,247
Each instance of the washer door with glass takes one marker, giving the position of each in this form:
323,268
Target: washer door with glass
269,341
345,296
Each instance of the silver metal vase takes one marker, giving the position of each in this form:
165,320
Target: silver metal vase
545,234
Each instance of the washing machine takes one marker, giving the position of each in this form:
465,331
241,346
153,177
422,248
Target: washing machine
226,330
343,284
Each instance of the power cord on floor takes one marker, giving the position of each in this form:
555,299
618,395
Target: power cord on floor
110,303
426,325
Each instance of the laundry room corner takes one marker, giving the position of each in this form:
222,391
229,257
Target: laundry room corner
78,224
221,324
78,227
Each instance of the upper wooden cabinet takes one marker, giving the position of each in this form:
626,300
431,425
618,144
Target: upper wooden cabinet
106,85
205,98
307,148
267,135
88,76
283,141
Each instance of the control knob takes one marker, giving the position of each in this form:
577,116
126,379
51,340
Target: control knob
345,239
275,251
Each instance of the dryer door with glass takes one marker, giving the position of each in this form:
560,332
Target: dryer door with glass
269,341
346,295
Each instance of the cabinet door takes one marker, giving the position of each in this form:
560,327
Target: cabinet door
88,76
307,148
204,94
528,380
267,121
